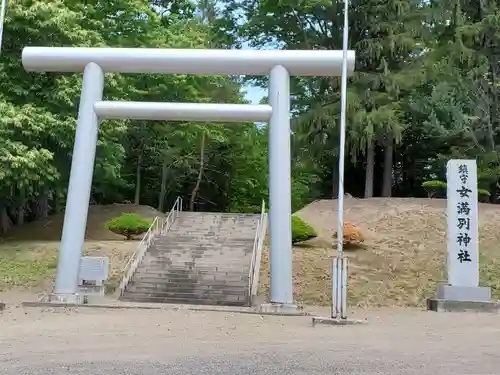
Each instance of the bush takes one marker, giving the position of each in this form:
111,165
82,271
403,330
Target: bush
483,195
251,209
128,225
438,188
352,235
301,231
435,188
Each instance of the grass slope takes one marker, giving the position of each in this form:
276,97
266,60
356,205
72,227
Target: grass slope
402,261
28,256
404,256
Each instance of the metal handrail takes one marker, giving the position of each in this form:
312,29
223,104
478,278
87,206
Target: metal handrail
258,256
257,248
172,215
159,226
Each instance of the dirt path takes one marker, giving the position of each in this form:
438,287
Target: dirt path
89,341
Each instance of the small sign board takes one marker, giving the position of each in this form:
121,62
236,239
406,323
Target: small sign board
93,273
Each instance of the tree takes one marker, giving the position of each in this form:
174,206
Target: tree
37,111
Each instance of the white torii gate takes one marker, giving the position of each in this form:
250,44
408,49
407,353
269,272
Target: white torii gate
94,62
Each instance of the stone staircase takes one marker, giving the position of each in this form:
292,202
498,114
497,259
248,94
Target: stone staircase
204,258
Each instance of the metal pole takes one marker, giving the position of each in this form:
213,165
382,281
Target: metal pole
2,21
334,286
340,230
280,187
80,183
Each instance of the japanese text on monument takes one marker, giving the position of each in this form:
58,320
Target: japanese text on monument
463,260
463,211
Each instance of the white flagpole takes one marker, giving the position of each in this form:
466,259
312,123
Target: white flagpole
2,21
339,297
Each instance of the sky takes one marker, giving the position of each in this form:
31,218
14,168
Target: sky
255,94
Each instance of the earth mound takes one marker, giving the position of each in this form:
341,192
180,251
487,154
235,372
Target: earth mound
50,228
403,256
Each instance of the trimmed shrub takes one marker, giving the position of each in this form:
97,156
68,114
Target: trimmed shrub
352,235
301,231
128,225
247,209
483,195
438,188
435,188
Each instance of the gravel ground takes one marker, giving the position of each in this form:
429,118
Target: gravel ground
147,342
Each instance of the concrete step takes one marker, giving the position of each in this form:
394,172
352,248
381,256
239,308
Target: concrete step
182,271
180,301
240,252
198,290
161,247
203,242
182,235
189,279
191,266
196,251
153,267
209,257
189,296
203,259
200,246
214,231
199,255
196,230
172,285
183,278
201,263
197,224
162,297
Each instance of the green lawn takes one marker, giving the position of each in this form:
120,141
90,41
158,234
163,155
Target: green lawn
27,265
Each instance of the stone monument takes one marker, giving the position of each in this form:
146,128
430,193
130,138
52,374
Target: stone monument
462,292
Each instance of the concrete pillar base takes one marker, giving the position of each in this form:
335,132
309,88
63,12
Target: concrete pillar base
281,309
70,299
334,321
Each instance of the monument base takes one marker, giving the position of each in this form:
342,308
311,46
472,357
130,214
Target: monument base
462,299
441,305
463,293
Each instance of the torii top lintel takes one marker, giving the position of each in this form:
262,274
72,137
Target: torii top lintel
186,61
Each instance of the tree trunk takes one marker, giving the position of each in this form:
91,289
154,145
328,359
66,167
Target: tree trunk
5,222
370,169
42,206
21,209
493,121
163,188
137,197
228,192
387,178
58,200
196,189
